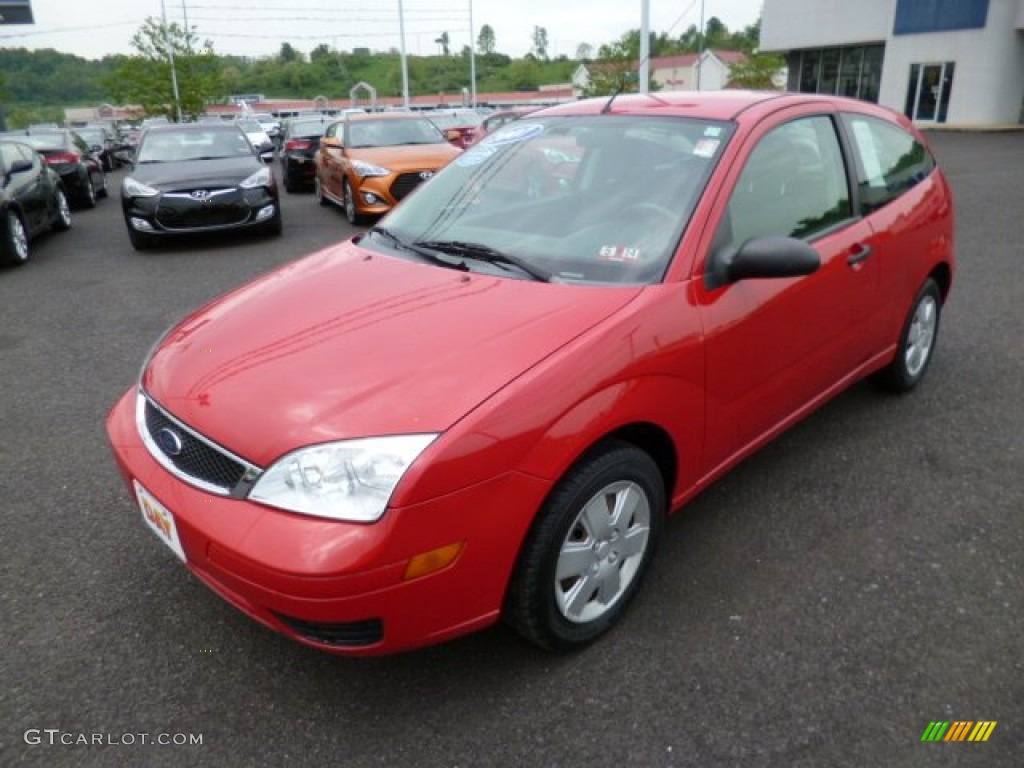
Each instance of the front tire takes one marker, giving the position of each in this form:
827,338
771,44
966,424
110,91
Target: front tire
585,556
14,249
917,342
351,211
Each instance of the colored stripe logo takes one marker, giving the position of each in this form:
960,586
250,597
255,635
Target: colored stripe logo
959,730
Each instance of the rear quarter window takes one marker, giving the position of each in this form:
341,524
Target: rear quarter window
890,161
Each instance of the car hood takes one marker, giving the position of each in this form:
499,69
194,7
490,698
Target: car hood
226,172
407,155
347,343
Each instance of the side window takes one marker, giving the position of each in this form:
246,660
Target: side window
891,160
793,185
28,155
8,156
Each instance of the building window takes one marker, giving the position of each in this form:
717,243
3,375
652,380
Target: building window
928,92
854,71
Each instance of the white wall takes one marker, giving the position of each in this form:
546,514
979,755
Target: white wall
988,84
791,24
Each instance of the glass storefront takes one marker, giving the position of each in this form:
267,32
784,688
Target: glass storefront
854,71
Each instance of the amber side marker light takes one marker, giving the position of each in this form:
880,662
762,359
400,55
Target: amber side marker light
426,563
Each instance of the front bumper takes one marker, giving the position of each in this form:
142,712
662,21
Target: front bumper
340,586
223,210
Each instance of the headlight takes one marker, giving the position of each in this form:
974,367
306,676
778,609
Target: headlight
134,188
262,178
368,169
351,480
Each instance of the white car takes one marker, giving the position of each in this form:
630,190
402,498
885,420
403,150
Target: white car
258,137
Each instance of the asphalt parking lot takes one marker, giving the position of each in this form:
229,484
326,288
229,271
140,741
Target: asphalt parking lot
857,579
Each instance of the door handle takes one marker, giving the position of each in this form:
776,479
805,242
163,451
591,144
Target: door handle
860,252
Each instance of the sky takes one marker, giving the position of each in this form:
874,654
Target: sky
94,28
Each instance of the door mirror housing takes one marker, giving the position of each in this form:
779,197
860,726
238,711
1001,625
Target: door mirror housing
762,257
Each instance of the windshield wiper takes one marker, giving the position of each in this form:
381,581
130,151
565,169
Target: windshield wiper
482,252
424,253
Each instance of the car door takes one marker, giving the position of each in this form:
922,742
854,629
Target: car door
21,185
775,347
329,160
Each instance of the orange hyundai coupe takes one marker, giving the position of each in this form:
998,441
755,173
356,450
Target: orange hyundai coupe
368,163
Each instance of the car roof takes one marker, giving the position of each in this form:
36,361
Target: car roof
190,127
735,105
370,116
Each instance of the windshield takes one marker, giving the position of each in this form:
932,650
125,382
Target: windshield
601,198
175,146
250,126
468,120
46,140
390,133
308,128
92,136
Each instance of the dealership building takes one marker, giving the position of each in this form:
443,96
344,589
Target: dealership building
958,62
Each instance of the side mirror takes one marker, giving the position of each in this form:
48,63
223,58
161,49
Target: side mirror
762,257
20,166
332,142
267,157
452,135
96,148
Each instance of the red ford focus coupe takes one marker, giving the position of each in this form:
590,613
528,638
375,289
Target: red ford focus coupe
485,406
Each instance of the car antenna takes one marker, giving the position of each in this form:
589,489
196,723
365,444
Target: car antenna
628,76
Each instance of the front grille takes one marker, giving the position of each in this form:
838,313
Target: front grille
405,184
197,459
353,634
218,208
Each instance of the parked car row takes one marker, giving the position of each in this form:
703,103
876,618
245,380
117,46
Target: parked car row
32,200
78,165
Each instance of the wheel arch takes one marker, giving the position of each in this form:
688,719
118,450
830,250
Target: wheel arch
942,273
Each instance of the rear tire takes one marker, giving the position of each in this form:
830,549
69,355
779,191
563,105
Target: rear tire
590,545
917,342
319,192
62,222
14,248
87,198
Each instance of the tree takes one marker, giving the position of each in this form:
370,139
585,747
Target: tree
145,77
444,41
757,72
540,43
584,51
288,54
321,53
485,41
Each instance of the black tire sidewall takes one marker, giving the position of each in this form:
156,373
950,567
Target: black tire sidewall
896,377
533,586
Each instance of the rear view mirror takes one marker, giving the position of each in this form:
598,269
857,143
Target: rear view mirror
762,257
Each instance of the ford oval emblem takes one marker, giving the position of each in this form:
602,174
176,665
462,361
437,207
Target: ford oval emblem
169,441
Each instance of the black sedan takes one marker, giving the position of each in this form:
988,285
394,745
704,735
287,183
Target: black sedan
198,179
298,152
80,169
102,143
32,200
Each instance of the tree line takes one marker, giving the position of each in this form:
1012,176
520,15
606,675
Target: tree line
35,85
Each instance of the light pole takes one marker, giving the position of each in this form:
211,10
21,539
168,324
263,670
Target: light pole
405,65
645,44
700,43
472,60
170,55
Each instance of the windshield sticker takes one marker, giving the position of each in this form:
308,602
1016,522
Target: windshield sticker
476,155
513,134
618,254
706,147
713,131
